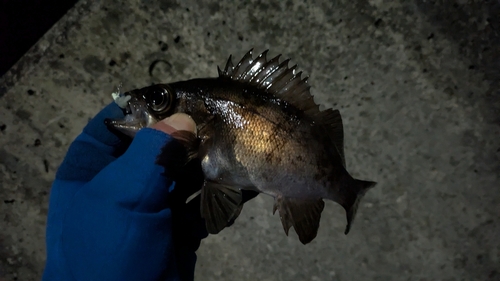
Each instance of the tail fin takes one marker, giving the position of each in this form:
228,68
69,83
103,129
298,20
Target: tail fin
358,188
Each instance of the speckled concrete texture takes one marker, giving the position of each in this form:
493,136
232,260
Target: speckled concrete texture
417,84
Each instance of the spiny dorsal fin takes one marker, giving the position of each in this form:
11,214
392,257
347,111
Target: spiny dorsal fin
275,78
285,83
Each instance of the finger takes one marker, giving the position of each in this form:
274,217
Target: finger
176,122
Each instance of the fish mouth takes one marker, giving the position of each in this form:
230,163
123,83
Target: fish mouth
137,115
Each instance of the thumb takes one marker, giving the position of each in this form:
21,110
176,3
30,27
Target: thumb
176,122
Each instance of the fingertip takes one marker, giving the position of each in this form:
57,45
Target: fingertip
176,122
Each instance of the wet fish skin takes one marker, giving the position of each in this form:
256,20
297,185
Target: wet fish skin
259,130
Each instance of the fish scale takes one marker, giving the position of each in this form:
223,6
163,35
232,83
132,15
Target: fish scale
259,130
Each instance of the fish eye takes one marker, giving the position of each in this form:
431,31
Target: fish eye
159,98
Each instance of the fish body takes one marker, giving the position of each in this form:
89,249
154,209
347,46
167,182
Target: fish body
259,130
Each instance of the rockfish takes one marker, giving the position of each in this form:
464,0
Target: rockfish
259,129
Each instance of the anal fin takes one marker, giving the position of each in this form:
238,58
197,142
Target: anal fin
303,214
220,204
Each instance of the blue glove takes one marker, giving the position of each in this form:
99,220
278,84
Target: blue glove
113,215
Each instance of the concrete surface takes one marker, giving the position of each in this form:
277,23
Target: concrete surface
417,83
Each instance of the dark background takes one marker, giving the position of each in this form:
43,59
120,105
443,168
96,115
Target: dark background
22,23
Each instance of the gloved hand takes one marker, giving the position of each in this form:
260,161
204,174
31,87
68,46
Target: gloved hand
114,216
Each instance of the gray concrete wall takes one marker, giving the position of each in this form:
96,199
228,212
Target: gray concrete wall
417,83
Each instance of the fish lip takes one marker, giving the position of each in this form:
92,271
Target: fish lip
139,109
127,110
136,115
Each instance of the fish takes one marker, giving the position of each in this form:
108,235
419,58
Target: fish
258,130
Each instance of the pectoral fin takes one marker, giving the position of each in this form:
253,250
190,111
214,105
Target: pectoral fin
176,154
303,214
220,204
190,143
246,195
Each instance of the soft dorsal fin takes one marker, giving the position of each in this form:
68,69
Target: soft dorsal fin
285,83
332,120
274,77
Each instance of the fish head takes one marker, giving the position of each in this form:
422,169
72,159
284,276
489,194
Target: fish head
143,108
